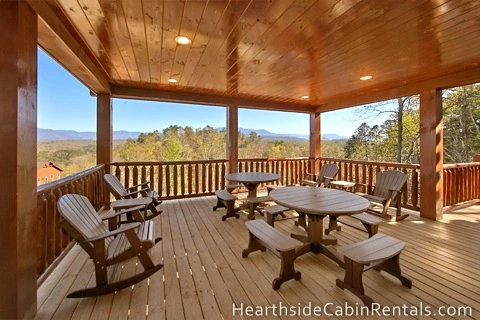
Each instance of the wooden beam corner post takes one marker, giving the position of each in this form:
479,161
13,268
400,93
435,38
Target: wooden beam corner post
431,154
315,139
105,135
232,138
18,141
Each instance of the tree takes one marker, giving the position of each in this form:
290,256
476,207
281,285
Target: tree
397,108
461,115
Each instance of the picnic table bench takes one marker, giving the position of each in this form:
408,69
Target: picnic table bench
380,252
262,236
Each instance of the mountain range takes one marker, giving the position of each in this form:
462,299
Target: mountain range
50,134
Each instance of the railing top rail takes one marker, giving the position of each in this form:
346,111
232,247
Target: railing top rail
275,159
461,165
152,163
64,181
387,164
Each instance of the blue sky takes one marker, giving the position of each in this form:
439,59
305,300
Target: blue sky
64,103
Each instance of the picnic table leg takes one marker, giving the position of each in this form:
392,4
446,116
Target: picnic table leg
332,225
302,221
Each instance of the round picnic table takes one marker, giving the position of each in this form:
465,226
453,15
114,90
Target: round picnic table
317,203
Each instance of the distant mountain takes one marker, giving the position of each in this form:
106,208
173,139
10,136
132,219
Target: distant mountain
288,136
50,134
332,136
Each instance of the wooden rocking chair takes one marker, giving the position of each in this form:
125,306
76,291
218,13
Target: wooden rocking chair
119,192
105,247
386,192
327,173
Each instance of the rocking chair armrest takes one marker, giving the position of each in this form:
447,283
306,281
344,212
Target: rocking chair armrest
118,213
327,180
399,192
122,229
146,183
138,191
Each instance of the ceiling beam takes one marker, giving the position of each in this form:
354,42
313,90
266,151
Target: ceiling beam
206,99
445,81
59,24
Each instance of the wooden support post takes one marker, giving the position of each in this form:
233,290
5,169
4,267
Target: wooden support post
104,130
431,154
232,138
315,138
104,135
18,141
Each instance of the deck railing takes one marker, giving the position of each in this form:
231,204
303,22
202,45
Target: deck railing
51,239
461,183
365,172
183,179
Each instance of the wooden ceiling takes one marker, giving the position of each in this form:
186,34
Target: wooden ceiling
264,53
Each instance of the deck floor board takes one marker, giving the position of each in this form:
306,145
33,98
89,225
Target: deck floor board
205,276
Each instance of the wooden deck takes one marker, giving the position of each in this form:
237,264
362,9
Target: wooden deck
204,273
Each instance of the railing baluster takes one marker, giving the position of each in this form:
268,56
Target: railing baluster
126,182
204,177
175,180
135,176
197,189
167,180
42,233
160,180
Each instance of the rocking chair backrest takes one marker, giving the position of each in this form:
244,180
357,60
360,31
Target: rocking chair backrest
389,179
115,186
327,170
82,220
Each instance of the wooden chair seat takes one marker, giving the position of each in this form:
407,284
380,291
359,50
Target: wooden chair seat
107,247
380,252
262,236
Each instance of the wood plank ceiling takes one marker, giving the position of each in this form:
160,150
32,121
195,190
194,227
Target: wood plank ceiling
261,52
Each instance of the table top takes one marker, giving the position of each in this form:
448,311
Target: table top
128,203
321,201
252,177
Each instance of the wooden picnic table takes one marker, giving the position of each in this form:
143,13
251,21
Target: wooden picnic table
316,204
251,180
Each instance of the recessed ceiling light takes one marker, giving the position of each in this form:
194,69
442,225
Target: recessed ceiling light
183,40
171,80
305,97
366,78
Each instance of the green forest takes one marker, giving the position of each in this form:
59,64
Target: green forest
396,140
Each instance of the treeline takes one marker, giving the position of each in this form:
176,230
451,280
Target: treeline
177,143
